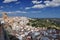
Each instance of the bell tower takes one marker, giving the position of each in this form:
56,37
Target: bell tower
5,17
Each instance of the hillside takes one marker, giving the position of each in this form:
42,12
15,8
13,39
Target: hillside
47,22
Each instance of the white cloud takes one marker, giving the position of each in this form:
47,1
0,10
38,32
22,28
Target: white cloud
28,8
1,7
53,3
38,6
21,12
36,2
10,12
1,11
35,11
8,1
17,2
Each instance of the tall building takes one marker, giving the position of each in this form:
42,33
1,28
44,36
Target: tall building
5,17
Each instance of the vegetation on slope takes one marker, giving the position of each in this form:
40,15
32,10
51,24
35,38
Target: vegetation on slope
43,23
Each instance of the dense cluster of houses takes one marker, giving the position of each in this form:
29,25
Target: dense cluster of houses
17,26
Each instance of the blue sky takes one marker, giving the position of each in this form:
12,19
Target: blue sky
31,8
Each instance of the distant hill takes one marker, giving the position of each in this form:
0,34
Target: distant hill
44,22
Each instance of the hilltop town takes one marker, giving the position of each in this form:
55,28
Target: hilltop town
25,28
